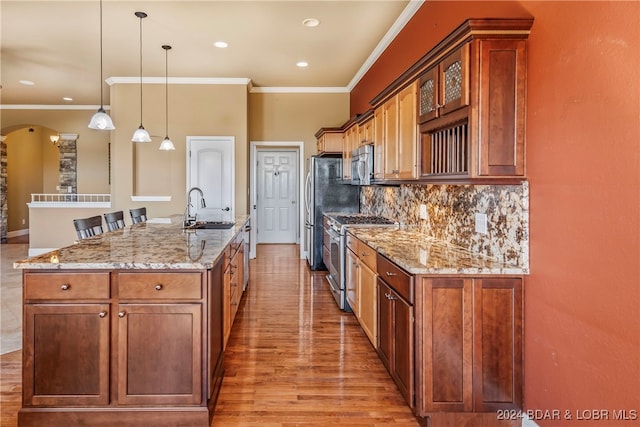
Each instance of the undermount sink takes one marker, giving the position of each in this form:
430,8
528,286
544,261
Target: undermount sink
212,225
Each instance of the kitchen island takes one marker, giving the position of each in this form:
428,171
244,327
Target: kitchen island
128,327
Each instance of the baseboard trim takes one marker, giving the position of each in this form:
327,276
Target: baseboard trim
528,422
17,233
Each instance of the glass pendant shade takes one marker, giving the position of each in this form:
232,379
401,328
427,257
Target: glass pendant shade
101,121
141,135
167,144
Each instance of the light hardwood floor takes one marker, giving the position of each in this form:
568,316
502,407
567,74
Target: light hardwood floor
293,358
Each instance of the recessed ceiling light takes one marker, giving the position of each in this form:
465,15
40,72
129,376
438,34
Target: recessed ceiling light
27,82
66,98
311,22
302,64
221,44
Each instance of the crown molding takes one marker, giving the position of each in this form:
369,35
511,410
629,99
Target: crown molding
395,29
301,89
181,80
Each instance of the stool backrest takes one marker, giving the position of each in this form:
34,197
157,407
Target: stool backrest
114,220
87,227
138,215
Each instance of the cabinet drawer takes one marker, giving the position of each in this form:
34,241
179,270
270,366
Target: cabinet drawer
160,285
352,243
367,255
66,286
394,276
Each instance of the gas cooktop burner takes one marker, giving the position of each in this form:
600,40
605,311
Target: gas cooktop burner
362,219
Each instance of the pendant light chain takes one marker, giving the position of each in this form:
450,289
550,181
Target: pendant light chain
101,75
166,88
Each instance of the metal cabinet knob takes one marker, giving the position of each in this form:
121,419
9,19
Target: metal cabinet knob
159,287
390,273
102,314
65,287
122,314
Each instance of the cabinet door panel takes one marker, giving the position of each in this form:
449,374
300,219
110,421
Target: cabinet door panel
351,282
448,333
390,109
454,80
385,324
497,344
403,348
407,143
159,354
428,95
502,107
379,143
66,354
368,303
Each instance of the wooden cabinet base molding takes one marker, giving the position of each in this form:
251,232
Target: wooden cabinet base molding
156,417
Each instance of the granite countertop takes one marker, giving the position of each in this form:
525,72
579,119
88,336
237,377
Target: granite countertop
159,243
420,254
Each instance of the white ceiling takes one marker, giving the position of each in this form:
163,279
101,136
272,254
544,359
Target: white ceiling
56,44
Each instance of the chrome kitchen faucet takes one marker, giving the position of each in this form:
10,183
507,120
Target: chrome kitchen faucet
188,219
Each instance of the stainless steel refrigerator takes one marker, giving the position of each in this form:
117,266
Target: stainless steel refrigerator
325,192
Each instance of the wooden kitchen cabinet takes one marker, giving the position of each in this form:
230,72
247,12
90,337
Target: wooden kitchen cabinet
66,354
352,284
472,103
366,129
66,350
469,351
378,144
159,354
444,87
400,135
396,326
329,141
350,142
233,283
361,287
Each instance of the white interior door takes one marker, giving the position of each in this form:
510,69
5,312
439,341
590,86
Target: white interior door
211,167
277,196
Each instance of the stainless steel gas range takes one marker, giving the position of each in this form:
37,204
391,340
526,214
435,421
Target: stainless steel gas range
335,248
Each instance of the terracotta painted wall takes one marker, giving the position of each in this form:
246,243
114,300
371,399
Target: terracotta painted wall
582,299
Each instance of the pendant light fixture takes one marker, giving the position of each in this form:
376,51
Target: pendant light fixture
166,143
141,135
101,120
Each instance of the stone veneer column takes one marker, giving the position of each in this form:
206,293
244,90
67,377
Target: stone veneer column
68,163
4,209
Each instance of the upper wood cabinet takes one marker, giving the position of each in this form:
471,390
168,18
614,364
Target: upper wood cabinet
472,109
444,87
349,142
399,135
329,141
366,130
378,144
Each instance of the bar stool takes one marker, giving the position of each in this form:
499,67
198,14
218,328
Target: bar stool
138,215
87,227
114,220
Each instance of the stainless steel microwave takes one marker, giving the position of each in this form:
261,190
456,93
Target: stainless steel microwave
362,165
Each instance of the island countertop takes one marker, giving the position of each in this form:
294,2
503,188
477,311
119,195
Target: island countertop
420,254
159,243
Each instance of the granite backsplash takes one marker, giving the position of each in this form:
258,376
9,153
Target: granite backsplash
451,215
